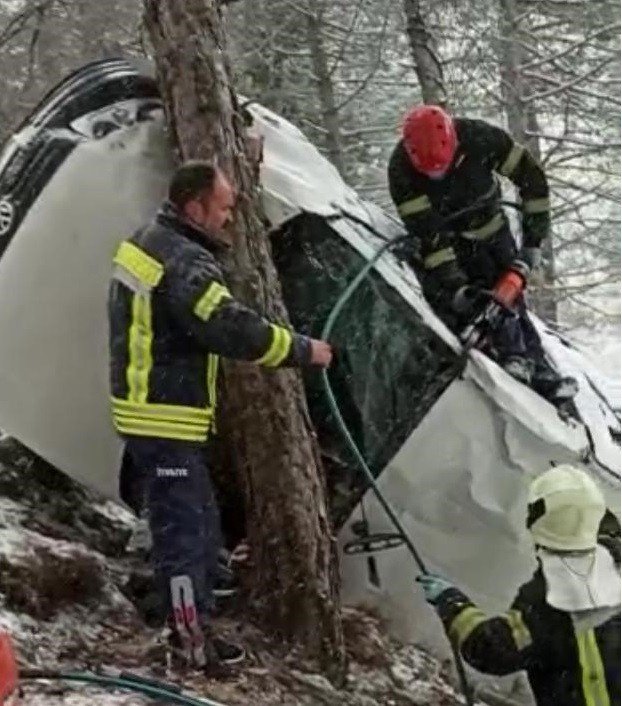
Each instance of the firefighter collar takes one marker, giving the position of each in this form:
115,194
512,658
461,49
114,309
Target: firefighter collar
581,581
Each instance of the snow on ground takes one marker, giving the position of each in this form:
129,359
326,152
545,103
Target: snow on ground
63,601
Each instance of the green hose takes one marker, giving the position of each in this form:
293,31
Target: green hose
326,331
148,687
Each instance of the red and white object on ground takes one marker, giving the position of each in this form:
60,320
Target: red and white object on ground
8,670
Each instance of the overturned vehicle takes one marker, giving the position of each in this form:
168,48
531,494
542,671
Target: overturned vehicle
453,446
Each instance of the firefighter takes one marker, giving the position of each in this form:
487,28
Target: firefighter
442,166
564,625
172,317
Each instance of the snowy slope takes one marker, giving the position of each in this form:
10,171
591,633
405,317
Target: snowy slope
62,598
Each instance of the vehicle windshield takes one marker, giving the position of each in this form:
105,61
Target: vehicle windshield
390,367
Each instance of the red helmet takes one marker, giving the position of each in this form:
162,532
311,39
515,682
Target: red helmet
430,139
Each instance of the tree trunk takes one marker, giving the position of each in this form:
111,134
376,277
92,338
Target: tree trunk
523,119
324,82
422,46
543,297
296,588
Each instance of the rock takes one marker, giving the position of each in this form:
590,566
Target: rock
40,576
72,512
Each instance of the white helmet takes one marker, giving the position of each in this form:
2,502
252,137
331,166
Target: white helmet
565,509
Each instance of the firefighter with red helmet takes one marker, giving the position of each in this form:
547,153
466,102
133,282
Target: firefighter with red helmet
445,166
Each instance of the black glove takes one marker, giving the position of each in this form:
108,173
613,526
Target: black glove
527,261
536,228
408,249
466,299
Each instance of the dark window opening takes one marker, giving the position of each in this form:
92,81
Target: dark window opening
390,367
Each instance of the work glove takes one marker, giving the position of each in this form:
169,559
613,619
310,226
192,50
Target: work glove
433,586
536,228
408,250
527,261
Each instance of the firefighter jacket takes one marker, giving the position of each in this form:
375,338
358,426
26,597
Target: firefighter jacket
424,203
171,317
571,659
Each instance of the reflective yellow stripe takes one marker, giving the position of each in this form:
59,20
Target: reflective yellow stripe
165,430
147,415
212,374
464,623
592,670
520,631
212,377
138,263
485,231
169,412
439,257
409,208
166,420
212,297
140,338
279,348
511,160
536,205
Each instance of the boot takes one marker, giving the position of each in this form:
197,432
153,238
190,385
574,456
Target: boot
520,368
552,386
206,653
191,641
565,389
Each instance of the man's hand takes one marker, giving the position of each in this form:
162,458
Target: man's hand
433,586
321,353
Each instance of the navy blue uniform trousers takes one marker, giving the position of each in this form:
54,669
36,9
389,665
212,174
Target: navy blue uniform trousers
172,479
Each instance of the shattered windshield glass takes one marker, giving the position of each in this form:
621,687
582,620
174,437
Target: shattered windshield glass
390,367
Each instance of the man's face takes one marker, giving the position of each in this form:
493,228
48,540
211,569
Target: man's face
213,211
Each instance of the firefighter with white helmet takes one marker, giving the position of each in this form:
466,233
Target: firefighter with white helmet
563,627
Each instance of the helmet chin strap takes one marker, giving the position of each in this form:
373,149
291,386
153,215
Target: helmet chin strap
565,552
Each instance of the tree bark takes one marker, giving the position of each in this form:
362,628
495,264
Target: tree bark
271,438
427,64
523,119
